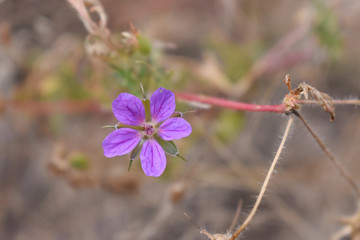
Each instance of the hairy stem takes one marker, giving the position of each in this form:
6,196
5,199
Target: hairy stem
334,101
336,163
230,104
266,182
236,217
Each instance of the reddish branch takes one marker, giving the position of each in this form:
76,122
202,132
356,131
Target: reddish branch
230,104
91,106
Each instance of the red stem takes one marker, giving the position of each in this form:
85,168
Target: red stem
91,106
230,104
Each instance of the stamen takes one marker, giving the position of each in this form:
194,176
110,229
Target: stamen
149,129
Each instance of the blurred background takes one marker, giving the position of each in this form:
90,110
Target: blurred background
56,88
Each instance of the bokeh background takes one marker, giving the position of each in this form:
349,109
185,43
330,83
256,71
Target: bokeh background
55,182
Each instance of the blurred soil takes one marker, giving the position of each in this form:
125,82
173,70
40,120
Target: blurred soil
55,182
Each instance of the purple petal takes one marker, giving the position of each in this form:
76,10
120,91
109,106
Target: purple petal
174,128
162,104
153,160
129,109
120,142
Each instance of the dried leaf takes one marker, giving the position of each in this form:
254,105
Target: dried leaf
322,99
96,46
84,8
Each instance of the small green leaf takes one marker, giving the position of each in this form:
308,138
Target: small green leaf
168,146
146,103
136,151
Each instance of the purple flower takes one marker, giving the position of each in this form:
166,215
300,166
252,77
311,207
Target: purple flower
146,123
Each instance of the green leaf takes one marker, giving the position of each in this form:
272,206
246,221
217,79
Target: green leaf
168,146
136,151
146,103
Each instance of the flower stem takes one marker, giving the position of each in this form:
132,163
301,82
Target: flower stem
266,182
230,104
334,101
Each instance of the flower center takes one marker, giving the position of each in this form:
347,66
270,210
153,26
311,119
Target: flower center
149,129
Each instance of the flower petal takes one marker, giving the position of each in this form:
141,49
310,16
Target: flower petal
174,128
120,142
153,160
129,109
162,104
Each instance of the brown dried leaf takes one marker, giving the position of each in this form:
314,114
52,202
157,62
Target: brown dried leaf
96,46
84,8
322,99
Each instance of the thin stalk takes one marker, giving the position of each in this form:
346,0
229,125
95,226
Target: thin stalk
266,182
334,101
237,214
336,163
230,104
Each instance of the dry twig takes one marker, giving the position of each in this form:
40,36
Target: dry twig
336,163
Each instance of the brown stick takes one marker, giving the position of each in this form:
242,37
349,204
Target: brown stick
336,163
334,101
